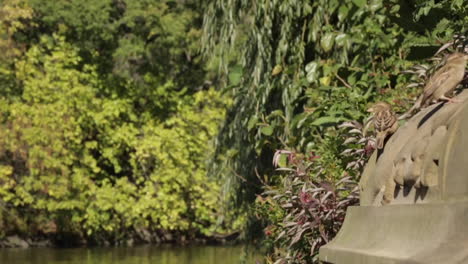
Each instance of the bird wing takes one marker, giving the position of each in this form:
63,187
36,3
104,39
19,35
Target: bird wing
436,81
385,123
384,120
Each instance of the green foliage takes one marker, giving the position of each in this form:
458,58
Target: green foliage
134,45
14,17
306,210
335,57
108,127
308,66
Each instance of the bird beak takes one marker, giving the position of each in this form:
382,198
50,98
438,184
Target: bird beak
370,110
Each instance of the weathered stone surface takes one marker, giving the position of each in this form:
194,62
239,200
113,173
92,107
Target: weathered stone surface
422,233
414,195
415,163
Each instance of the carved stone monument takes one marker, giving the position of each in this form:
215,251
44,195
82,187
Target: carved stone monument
414,195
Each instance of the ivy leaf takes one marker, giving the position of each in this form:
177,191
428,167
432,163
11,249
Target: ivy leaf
252,122
311,67
327,120
307,9
341,39
327,41
267,130
457,3
311,70
375,5
343,12
359,3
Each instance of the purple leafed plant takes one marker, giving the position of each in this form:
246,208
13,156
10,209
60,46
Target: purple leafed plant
312,210
359,144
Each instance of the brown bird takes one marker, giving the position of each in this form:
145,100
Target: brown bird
384,120
446,79
442,82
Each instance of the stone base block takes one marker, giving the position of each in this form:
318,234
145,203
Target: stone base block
418,233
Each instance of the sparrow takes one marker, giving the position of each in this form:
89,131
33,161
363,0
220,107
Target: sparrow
384,121
442,82
446,79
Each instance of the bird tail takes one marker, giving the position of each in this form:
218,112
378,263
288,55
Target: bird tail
380,141
417,105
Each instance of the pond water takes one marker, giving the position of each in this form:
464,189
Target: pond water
134,255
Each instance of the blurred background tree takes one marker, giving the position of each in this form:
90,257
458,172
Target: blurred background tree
107,120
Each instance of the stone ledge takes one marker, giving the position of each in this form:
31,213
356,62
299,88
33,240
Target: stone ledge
420,233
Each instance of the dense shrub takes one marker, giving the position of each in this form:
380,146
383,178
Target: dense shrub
102,141
305,211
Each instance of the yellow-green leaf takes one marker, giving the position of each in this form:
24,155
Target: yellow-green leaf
276,70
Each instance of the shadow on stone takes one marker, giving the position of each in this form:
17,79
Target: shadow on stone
421,193
431,113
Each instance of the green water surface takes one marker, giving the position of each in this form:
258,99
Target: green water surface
134,255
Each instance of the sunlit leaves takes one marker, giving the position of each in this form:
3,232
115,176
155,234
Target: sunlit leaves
327,42
343,12
311,70
99,164
276,70
342,40
15,16
359,3
267,130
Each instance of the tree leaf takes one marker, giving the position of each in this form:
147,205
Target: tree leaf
327,41
252,122
375,5
359,3
342,12
276,70
341,39
267,130
325,80
312,71
327,120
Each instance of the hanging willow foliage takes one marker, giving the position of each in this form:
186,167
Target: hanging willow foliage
299,68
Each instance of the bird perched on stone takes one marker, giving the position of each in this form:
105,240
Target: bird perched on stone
384,121
443,82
